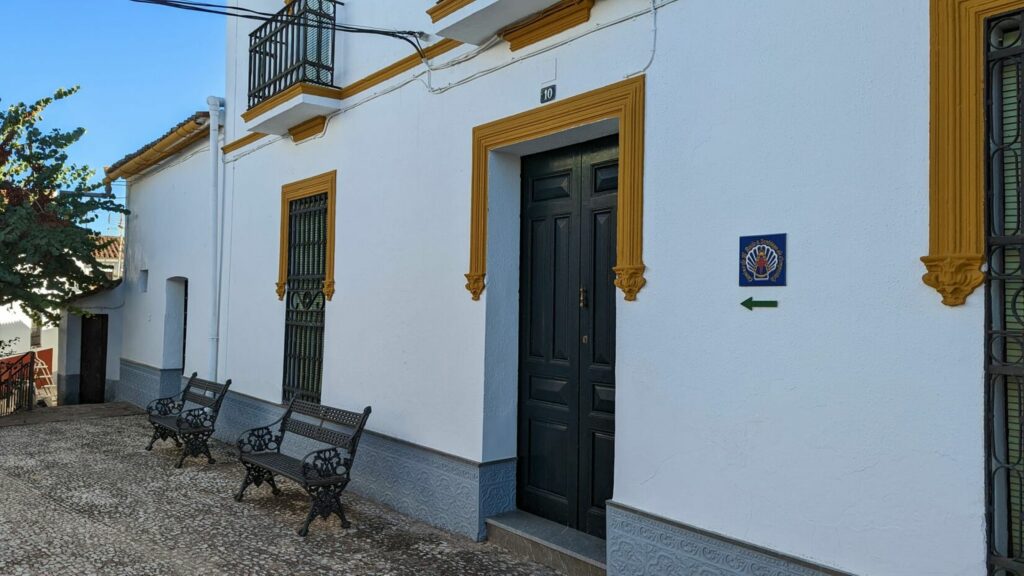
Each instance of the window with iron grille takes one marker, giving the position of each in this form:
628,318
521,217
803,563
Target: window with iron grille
1004,359
304,316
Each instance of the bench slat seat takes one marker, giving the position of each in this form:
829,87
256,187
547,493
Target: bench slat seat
277,463
171,423
189,417
323,473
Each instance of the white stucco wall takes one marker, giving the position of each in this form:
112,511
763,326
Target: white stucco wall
168,235
15,324
844,427
15,331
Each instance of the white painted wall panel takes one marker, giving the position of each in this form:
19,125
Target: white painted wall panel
844,427
168,235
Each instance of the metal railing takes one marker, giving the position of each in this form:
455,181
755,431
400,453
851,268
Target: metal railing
296,45
17,383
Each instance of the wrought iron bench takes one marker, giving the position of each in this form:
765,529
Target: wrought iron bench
322,473
193,426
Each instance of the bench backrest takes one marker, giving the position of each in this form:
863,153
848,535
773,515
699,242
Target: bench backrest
205,393
325,415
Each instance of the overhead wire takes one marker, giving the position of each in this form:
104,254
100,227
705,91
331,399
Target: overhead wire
411,37
419,76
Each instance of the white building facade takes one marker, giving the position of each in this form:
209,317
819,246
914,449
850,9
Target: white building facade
541,301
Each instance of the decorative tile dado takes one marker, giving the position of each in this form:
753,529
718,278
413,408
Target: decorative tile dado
140,384
448,492
442,490
644,545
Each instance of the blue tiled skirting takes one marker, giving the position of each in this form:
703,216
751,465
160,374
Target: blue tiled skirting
440,489
67,388
641,544
140,384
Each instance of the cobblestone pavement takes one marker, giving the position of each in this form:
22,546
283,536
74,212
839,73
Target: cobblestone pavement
83,497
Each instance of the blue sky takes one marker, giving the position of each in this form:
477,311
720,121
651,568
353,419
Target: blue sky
142,69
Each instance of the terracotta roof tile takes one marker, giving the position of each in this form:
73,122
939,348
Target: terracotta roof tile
193,124
111,251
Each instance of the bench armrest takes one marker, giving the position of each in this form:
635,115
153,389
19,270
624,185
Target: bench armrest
262,439
196,418
325,464
165,406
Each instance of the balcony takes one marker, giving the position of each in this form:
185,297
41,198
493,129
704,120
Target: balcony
476,21
291,68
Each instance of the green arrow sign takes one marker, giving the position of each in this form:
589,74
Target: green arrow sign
750,303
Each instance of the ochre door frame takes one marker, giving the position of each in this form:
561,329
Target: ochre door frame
323,183
957,174
623,101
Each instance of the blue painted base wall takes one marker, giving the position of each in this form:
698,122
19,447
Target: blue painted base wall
442,490
67,388
140,384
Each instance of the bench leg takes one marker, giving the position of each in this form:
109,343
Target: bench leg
245,484
196,444
156,434
273,485
256,475
341,512
324,501
161,433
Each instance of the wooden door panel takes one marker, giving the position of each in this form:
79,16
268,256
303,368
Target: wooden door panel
597,326
567,334
601,352
549,390
563,324
601,447
549,380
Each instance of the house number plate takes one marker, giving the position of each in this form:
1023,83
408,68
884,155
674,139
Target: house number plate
547,94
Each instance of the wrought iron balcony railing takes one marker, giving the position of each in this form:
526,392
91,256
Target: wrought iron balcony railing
296,45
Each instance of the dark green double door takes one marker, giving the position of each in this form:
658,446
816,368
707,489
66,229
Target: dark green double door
567,334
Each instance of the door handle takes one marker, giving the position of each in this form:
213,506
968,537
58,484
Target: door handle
583,297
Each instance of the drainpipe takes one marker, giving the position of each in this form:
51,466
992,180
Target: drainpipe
216,116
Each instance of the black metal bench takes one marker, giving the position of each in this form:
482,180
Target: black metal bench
323,473
193,426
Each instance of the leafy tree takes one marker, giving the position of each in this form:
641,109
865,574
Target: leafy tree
46,248
7,346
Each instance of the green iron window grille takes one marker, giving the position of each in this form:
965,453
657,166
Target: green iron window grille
304,316
1004,360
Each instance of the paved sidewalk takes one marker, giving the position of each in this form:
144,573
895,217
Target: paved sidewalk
70,412
84,497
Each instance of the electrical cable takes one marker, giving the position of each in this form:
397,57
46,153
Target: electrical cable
418,77
411,37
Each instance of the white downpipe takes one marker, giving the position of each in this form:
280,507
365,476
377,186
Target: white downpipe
216,105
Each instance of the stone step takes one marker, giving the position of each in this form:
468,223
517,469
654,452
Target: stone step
545,542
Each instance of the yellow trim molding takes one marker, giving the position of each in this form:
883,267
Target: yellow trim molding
445,8
408,63
558,18
241,142
181,137
365,83
308,129
326,182
956,241
623,101
286,95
